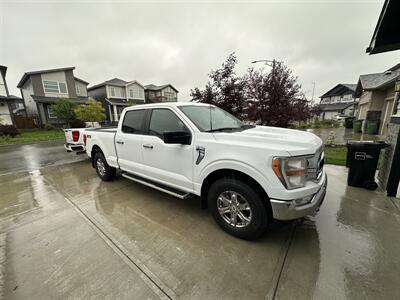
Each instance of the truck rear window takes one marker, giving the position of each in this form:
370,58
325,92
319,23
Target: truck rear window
133,121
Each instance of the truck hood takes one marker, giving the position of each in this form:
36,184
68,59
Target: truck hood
295,142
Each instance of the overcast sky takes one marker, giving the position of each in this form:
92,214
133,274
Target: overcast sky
179,42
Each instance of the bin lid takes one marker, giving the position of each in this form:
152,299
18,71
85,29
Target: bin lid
367,144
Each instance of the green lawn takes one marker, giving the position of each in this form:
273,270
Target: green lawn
335,156
31,136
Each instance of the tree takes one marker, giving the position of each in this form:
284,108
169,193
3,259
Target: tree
275,97
92,111
64,110
225,89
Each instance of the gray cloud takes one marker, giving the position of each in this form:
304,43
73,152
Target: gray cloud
180,42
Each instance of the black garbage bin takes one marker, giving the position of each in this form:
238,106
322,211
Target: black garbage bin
362,160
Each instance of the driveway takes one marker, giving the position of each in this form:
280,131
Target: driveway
16,158
66,234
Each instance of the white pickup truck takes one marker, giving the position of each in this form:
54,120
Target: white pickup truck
246,175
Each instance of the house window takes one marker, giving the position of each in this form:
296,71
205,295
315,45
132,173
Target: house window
130,93
54,87
78,91
112,91
51,113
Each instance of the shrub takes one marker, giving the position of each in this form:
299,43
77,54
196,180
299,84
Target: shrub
8,130
77,124
49,127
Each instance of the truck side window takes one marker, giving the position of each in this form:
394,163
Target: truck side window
133,121
164,120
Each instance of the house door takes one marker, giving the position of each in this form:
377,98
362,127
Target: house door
387,112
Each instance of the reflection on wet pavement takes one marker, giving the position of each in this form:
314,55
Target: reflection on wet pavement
348,250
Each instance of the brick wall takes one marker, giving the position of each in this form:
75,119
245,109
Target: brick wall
387,154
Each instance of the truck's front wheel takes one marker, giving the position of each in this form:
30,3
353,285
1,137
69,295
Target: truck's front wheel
105,172
238,208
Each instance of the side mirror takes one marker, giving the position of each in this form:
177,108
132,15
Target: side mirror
177,137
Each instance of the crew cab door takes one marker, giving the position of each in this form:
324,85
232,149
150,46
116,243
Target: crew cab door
172,164
128,141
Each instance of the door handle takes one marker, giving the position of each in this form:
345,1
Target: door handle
148,146
120,142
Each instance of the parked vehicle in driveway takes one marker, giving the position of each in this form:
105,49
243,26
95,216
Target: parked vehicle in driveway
74,138
246,175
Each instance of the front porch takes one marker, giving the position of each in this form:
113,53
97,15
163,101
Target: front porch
114,108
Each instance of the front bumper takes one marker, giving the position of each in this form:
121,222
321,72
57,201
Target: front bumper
287,210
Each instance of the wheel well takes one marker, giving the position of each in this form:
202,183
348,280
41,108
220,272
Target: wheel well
95,149
229,173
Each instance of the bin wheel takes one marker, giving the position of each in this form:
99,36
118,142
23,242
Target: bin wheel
370,185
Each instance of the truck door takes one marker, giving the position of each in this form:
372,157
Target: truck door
171,164
128,141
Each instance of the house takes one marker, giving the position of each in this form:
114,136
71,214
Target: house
161,93
386,37
339,100
10,105
41,89
116,94
376,92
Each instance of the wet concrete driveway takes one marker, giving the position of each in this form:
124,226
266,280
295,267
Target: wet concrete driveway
66,234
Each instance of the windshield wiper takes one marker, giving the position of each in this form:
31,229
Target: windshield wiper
242,127
223,129
247,126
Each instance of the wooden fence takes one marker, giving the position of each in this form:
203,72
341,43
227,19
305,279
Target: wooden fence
23,122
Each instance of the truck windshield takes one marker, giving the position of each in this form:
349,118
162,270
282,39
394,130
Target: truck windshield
211,118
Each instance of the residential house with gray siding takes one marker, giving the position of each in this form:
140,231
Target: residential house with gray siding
41,89
116,94
9,104
339,100
377,97
161,93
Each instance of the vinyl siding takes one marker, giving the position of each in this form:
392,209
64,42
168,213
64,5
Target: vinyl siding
30,104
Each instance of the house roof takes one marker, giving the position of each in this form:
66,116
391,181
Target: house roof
386,35
153,87
81,80
43,99
377,80
10,98
114,81
335,106
340,89
28,74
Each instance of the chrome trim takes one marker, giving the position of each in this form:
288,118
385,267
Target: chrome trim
287,210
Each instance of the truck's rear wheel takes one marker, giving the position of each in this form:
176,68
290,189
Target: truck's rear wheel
238,208
104,171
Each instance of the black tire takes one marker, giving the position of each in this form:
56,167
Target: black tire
106,174
259,215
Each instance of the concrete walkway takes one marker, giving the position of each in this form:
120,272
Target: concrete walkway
66,234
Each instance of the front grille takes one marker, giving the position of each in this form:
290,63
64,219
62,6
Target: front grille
315,165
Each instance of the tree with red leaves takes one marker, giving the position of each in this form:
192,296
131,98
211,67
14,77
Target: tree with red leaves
224,90
271,98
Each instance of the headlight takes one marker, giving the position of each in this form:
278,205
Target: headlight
291,171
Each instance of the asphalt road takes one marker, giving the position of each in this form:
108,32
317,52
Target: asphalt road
66,234
17,158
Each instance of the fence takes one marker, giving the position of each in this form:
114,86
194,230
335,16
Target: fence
23,122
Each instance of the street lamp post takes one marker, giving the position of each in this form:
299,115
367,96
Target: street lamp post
267,62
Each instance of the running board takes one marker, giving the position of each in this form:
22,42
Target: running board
171,191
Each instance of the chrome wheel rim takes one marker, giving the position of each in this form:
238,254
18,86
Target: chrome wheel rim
101,167
234,209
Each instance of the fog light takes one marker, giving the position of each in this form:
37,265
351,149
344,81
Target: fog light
302,201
